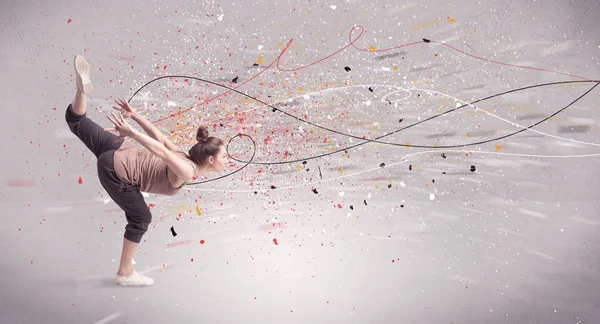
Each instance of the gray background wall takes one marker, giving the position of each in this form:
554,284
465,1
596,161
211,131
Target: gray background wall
421,240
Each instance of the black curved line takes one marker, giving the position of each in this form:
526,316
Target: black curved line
388,134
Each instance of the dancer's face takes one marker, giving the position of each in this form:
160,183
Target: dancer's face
220,159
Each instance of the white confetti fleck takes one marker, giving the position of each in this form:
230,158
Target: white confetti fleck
333,7
341,194
431,196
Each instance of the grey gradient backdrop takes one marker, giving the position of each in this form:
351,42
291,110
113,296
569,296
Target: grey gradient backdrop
422,239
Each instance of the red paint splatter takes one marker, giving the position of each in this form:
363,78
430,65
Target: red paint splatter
339,206
266,141
180,243
271,227
69,21
202,241
192,259
275,241
20,183
325,140
79,181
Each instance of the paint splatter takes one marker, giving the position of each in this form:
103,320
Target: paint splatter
198,211
275,241
451,20
173,231
202,241
473,168
80,181
20,183
69,21
347,69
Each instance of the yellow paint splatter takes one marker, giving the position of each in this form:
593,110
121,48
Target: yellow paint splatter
451,20
435,146
468,135
395,68
497,147
298,167
329,141
407,144
376,186
427,185
372,48
340,170
259,59
198,211
426,24
299,88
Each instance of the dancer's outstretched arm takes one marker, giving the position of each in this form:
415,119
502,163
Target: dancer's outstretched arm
176,164
150,129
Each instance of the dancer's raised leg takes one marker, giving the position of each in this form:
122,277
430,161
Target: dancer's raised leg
84,84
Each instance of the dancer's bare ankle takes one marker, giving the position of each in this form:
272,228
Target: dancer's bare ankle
125,273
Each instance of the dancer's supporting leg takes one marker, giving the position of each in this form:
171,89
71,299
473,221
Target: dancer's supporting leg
125,267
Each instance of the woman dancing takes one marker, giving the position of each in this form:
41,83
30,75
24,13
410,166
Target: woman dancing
125,169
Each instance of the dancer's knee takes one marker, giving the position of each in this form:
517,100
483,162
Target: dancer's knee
137,226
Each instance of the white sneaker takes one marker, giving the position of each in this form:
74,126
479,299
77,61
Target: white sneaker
82,74
136,279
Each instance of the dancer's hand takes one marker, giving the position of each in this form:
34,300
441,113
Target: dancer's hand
124,107
121,126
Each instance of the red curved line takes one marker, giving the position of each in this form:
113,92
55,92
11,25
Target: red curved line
351,43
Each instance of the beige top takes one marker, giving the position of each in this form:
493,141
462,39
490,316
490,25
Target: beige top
136,165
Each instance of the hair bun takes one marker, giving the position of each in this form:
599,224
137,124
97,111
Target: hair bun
202,135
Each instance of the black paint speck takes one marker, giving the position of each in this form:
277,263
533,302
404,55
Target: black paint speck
347,69
234,80
433,180
303,162
389,185
401,119
401,206
274,109
173,231
370,89
351,207
444,172
315,191
443,155
426,40
410,167
273,187
472,168
382,165
255,64
256,192
365,201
